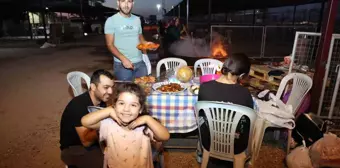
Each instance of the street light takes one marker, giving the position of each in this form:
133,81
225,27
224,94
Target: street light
158,7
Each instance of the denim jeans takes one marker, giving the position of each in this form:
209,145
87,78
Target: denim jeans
123,74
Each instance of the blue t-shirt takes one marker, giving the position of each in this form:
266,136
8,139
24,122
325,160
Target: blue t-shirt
126,33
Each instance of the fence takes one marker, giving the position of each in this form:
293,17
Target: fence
279,40
260,41
274,41
329,106
306,46
305,49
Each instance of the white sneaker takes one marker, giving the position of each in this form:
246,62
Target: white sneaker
199,158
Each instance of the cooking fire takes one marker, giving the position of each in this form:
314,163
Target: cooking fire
218,49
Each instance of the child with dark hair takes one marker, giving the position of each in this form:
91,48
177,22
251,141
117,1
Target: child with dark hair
227,89
125,126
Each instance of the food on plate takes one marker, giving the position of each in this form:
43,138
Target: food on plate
145,79
148,46
171,87
194,89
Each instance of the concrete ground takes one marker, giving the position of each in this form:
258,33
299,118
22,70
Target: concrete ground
34,93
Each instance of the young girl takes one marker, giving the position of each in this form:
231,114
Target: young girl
123,126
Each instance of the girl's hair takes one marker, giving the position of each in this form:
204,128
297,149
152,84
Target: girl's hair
134,89
236,64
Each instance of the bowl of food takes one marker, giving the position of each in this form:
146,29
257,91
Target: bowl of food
206,78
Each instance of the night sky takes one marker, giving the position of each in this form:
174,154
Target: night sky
145,7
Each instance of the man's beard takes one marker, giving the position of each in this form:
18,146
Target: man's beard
101,97
126,13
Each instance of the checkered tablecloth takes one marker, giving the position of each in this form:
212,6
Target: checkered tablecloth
175,111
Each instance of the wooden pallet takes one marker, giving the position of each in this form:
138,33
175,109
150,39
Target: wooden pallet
261,72
261,85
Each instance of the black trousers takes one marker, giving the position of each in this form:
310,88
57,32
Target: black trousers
81,157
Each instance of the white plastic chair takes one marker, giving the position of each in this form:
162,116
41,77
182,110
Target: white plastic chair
207,65
147,63
74,79
301,85
170,63
223,119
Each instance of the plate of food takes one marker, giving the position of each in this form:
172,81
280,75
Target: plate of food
148,46
169,87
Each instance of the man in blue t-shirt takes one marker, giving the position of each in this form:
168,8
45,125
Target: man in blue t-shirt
123,32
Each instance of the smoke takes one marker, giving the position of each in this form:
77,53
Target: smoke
194,47
190,47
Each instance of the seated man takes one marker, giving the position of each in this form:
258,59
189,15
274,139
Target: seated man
79,145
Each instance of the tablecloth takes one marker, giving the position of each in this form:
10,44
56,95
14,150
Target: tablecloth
175,111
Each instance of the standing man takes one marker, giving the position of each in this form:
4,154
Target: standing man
79,145
123,32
